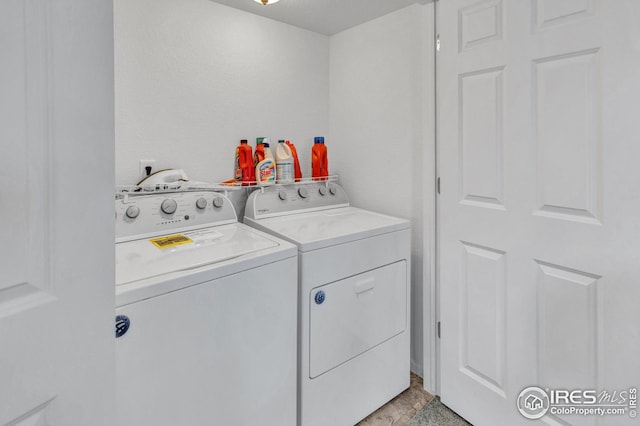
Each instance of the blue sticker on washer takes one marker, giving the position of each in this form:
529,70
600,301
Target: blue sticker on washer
319,297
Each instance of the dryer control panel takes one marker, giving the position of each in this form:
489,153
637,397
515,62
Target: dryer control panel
147,215
286,199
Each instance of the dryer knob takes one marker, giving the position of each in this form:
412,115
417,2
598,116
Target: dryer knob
322,190
303,192
132,212
169,206
333,190
218,202
282,195
122,325
201,203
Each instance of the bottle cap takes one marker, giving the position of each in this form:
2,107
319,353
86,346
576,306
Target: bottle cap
281,141
266,144
266,140
243,141
318,139
259,141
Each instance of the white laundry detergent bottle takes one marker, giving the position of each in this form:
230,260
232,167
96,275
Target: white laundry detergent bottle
266,169
284,163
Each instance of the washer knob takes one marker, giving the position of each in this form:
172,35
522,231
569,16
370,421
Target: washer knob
333,190
322,190
169,206
218,202
201,203
282,195
303,192
132,212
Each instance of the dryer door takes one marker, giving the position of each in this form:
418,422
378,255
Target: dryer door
350,316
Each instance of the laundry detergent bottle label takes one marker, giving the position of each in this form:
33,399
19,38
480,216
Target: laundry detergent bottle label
266,172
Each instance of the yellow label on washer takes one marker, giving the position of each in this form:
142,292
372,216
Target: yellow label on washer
170,241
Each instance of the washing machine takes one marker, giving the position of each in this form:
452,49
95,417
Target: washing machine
354,291
206,317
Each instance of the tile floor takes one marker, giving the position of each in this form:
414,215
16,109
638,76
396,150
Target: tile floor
400,410
435,413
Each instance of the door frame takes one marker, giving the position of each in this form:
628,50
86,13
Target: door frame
430,297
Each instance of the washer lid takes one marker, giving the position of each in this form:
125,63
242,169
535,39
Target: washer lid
152,257
314,230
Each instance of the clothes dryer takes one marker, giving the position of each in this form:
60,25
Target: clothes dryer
354,290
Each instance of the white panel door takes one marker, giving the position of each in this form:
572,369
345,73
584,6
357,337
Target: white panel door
56,211
539,237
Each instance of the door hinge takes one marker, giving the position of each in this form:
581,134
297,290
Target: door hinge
438,185
437,42
438,327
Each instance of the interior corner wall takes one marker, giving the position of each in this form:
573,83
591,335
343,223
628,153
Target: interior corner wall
378,134
193,77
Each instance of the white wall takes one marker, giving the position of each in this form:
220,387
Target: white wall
194,77
381,133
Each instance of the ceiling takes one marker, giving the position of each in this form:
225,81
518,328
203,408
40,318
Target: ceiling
322,16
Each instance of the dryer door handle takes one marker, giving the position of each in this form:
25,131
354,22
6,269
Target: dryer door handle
364,285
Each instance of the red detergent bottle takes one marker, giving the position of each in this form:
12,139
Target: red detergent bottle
244,168
319,160
259,155
297,173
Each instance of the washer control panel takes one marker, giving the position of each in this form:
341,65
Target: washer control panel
146,215
277,200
